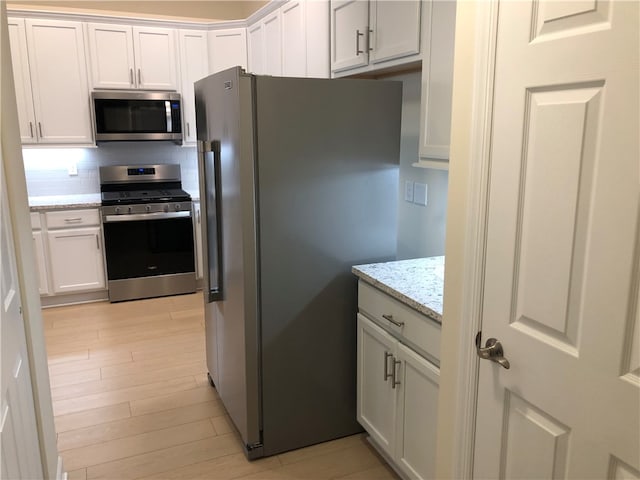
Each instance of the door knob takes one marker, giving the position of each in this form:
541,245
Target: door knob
491,351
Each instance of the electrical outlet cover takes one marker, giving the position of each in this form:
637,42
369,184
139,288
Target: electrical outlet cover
408,191
420,194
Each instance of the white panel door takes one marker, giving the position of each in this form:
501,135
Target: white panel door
349,28
194,66
376,405
155,58
394,30
272,38
227,48
111,55
76,260
255,40
19,448
294,40
57,63
22,80
563,245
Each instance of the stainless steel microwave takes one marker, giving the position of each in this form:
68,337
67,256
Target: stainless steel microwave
136,116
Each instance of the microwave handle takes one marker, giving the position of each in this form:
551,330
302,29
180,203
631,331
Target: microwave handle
209,159
167,108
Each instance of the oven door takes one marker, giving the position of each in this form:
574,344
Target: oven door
146,245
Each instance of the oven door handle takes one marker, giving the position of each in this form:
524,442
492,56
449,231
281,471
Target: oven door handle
209,153
136,217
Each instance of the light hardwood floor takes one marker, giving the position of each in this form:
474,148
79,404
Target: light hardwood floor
131,400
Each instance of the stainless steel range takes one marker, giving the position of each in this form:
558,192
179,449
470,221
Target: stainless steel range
148,232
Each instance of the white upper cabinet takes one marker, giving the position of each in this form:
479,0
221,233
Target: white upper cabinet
272,37
292,41
437,84
132,57
294,46
193,67
255,41
22,78
227,48
374,34
51,81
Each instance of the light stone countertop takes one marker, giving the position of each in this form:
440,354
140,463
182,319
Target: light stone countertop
417,283
61,202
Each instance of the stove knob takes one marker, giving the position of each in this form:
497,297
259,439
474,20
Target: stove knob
177,207
147,208
129,210
166,208
117,210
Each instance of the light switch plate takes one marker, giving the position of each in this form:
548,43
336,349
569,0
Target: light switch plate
408,191
420,194
73,168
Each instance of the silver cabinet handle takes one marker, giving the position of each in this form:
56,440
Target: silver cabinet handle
40,128
31,129
198,216
139,78
97,242
131,76
389,317
394,380
369,47
358,35
73,220
491,351
188,134
387,355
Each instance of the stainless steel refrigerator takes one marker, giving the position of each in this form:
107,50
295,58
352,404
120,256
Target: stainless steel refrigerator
298,182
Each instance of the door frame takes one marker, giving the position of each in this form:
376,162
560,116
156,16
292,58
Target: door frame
465,286
13,165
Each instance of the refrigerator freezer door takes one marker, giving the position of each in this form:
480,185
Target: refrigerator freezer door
224,114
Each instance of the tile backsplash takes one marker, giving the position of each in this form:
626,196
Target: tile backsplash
47,169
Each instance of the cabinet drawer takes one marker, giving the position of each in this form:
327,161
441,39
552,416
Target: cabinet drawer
417,330
35,221
73,218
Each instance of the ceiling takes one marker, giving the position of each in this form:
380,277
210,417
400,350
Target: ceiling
208,10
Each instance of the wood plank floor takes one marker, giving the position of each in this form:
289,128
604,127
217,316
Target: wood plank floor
131,400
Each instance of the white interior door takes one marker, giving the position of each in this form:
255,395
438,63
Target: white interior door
562,257
19,448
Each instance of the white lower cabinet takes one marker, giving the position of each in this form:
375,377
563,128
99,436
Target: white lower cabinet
397,397
76,260
40,253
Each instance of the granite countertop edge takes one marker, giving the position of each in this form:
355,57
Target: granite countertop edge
64,202
392,279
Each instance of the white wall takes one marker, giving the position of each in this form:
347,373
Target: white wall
421,230
47,169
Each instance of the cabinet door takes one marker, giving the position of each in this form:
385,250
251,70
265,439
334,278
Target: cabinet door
22,80
376,407
255,40
111,55
227,48
194,66
76,259
155,57
58,69
197,223
415,450
272,38
437,82
318,30
394,30
349,25
41,262
294,41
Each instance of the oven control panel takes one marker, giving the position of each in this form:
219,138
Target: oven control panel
146,208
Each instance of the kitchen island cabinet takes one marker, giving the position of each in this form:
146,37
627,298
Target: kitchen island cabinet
398,327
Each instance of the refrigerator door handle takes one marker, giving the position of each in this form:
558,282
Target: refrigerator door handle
209,158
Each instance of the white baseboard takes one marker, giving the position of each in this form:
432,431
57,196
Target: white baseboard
61,474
